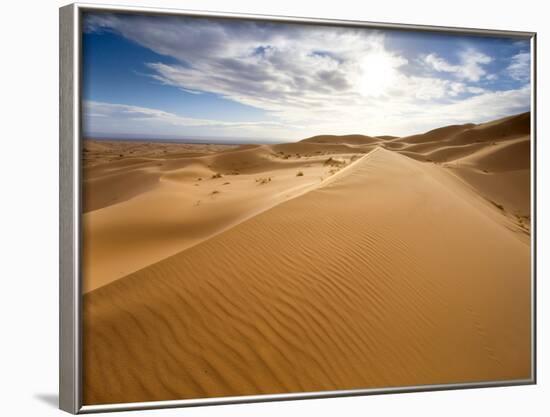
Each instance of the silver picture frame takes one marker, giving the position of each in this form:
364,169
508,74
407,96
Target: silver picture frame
70,203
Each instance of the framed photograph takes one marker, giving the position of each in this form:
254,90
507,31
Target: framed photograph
259,208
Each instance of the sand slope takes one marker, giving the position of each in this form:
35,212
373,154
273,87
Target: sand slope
493,158
389,272
141,209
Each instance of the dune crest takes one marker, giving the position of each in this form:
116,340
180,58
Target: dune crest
388,271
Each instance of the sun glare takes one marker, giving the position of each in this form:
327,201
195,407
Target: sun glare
377,74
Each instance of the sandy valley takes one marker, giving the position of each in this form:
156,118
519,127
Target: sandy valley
334,262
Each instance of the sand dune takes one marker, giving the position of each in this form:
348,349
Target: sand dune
451,153
503,129
139,211
509,191
511,155
506,128
435,134
374,268
347,139
492,158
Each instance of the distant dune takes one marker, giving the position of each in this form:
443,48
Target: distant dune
336,262
345,139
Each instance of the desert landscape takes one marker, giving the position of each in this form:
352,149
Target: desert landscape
329,263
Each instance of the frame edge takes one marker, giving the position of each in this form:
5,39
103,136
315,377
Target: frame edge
69,357
534,208
116,8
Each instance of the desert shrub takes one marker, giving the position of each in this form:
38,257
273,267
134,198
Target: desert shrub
263,180
217,175
300,174
333,162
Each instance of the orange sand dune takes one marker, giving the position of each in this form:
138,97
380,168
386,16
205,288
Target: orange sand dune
502,174
450,153
509,191
312,148
141,210
506,128
492,158
383,271
97,152
435,134
511,155
347,139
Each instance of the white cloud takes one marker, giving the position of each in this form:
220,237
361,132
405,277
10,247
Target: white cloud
520,67
397,117
311,80
482,107
472,62
120,116
439,64
475,90
470,67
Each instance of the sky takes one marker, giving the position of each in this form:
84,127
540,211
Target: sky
174,77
